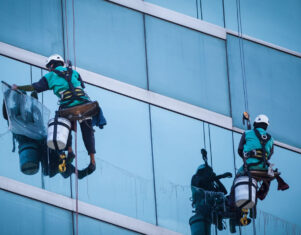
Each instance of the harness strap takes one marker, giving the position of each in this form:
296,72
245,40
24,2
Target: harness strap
263,139
55,132
72,93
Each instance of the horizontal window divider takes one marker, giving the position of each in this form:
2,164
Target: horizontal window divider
85,209
135,92
264,43
22,55
156,99
192,22
173,17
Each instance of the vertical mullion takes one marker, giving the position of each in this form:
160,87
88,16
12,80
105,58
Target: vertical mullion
150,124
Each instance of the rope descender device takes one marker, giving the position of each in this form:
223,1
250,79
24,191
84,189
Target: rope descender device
246,120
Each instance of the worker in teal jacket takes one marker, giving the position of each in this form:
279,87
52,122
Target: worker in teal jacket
68,86
256,146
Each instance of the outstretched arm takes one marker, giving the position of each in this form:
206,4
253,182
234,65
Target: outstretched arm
40,86
23,88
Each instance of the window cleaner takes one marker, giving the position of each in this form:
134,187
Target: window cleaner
256,148
75,104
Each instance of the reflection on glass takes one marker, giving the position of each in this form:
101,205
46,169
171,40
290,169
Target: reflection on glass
208,199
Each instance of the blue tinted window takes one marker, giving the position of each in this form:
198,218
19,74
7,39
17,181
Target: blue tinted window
212,11
273,87
269,223
288,164
277,22
110,41
32,25
177,141
93,227
20,215
187,65
187,7
123,180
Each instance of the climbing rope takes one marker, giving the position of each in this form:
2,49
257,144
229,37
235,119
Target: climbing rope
243,69
204,135
75,122
73,24
242,55
66,28
211,155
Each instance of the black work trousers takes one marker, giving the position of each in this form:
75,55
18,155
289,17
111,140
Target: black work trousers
88,136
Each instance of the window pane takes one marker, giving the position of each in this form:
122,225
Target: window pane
187,65
187,7
110,41
288,164
95,227
273,87
123,180
177,141
212,11
277,22
20,215
33,25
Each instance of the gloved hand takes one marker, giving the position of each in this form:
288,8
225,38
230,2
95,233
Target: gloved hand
227,175
34,94
14,87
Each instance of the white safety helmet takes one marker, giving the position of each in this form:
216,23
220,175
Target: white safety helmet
53,58
262,119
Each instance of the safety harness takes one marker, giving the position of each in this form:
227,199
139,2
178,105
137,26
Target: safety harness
72,94
260,154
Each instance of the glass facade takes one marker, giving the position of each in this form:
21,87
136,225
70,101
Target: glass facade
32,25
146,155
183,63
276,73
34,217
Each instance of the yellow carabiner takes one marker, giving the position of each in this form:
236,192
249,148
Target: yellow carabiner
62,166
244,219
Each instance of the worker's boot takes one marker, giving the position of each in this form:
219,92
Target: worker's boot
87,171
281,184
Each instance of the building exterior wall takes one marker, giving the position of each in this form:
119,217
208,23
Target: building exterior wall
169,84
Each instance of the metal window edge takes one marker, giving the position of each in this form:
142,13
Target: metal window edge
264,43
173,16
135,92
192,23
126,89
85,209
